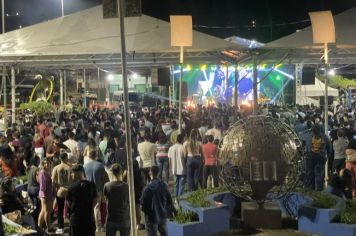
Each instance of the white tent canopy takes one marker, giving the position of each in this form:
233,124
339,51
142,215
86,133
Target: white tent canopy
303,100
85,37
317,90
299,48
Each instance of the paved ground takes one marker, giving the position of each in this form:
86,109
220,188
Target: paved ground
282,232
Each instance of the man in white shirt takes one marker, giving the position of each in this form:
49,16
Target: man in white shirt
73,147
215,131
177,160
147,150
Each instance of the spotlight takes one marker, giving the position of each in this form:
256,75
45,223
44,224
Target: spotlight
110,77
134,75
331,72
203,67
188,68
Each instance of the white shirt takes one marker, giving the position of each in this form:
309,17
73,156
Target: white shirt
202,131
175,154
215,132
74,148
147,153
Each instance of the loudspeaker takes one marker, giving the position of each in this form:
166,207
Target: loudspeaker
154,77
322,100
184,90
308,75
164,76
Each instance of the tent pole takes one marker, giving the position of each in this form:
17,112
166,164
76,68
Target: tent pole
255,96
85,88
4,68
65,87
326,107
180,90
236,92
61,89
13,104
180,98
97,100
127,120
5,96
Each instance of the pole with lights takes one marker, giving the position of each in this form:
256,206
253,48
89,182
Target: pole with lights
181,36
127,120
323,33
114,9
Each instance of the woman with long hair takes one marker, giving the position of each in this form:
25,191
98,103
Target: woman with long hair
45,194
162,161
192,149
91,146
38,143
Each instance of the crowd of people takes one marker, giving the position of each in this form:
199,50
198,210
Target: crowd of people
76,168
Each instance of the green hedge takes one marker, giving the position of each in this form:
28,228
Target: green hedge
183,217
198,197
349,215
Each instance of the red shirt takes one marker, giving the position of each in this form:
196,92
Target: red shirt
44,131
210,151
38,143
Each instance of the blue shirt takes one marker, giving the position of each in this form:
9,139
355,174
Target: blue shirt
95,172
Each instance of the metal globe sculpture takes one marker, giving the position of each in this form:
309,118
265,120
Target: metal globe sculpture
260,155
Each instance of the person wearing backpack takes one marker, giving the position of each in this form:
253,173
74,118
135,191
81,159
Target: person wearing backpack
316,152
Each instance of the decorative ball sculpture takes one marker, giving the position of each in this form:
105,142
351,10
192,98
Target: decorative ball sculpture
260,155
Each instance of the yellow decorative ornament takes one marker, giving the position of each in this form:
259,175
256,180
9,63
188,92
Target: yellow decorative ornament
39,91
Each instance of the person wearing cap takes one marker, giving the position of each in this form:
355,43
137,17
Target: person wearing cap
81,197
61,181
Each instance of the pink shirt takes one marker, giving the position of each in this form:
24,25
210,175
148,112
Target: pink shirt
210,151
46,189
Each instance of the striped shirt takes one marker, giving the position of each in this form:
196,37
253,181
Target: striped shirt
162,150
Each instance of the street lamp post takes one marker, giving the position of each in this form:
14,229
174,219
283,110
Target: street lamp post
127,120
4,68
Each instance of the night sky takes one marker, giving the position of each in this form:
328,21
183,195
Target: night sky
223,18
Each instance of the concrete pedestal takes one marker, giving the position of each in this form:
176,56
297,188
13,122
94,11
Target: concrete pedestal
268,218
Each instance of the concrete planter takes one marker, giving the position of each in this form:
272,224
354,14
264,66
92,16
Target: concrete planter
292,202
212,219
188,229
319,221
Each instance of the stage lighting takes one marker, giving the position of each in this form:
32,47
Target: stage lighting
134,75
203,67
331,72
110,77
188,67
278,77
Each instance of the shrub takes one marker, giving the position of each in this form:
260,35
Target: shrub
9,229
322,200
198,198
183,217
349,215
40,107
